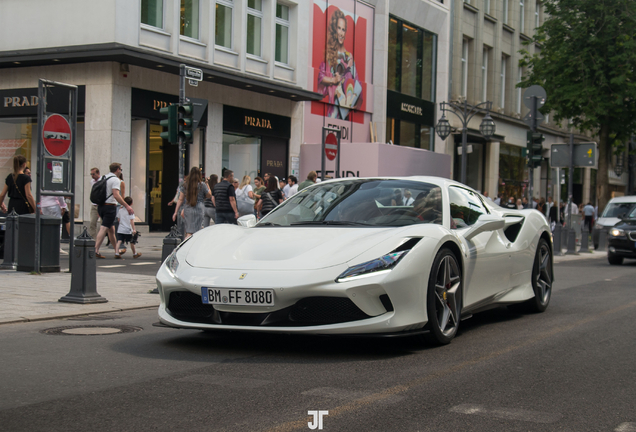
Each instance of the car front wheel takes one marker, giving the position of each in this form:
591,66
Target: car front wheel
444,298
614,259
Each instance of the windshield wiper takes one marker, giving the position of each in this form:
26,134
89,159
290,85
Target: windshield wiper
326,222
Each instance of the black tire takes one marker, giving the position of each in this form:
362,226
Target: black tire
542,277
443,298
614,259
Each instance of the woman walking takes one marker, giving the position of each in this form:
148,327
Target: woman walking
271,197
245,197
193,193
259,185
18,186
209,204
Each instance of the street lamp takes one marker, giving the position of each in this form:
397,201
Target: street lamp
465,113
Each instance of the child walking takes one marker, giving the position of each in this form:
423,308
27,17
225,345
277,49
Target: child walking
126,229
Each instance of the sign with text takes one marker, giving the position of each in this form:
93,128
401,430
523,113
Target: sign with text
194,73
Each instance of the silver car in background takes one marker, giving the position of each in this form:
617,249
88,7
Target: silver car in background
611,215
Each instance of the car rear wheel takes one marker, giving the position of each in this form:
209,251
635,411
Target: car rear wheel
614,259
541,281
444,299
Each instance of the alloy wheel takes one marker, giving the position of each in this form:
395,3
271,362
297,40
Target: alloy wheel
447,295
544,275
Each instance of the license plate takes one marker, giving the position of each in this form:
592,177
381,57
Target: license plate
242,297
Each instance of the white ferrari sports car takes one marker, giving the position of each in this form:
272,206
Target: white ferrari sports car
364,256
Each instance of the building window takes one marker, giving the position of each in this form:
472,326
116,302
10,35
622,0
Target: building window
393,80
506,8
152,13
282,34
502,89
487,6
223,23
537,13
189,15
519,78
484,75
464,89
254,26
522,16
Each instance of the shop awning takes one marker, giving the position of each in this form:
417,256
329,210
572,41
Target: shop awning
126,54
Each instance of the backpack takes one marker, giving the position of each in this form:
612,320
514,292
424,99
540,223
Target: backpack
98,192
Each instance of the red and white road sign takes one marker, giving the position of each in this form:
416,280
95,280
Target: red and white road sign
331,146
56,135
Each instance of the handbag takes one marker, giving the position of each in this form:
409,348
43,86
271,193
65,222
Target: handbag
23,198
244,203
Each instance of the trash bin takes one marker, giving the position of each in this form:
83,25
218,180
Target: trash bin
49,243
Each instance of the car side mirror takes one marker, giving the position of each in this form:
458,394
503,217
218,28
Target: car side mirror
247,221
486,222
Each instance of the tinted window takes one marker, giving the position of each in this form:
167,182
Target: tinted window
616,209
361,202
465,207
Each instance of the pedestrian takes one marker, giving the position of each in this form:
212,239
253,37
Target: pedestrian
192,194
208,203
92,228
542,207
259,188
511,203
108,210
588,212
408,198
271,197
549,204
225,200
122,192
281,185
552,213
524,202
18,186
55,206
126,231
311,179
292,182
498,199
245,197
27,171
520,205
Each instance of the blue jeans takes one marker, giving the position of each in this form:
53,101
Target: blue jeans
225,218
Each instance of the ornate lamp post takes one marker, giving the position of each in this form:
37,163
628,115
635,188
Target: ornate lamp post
465,113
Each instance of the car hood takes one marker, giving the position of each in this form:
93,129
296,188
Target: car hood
288,248
608,221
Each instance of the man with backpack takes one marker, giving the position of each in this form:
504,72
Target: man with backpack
105,193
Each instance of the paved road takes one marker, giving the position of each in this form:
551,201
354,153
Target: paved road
569,369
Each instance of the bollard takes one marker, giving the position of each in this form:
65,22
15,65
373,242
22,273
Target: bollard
11,242
572,242
557,239
83,276
170,242
602,240
585,240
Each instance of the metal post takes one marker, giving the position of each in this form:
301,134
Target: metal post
84,278
339,149
73,113
11,242
38,174
531,165
570,181
182,101
323,164
464,142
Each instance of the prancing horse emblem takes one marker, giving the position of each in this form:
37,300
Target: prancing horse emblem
242,276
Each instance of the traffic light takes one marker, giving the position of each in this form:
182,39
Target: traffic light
170,123
534,143
185,123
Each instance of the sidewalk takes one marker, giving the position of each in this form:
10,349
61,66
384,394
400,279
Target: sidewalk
25,297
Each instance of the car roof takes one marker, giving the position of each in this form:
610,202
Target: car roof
624,199
440,181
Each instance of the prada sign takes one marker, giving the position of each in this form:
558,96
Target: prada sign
255,122
24,102
410,109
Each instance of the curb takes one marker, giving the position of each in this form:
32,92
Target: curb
71,315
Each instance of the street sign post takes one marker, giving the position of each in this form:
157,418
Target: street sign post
584,155
331,146
56,135
330,149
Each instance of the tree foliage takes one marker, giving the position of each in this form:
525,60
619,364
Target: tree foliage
586,61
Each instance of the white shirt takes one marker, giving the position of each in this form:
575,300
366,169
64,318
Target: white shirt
293,190
124,221
286,190
409,201
52,201
112,182
243,193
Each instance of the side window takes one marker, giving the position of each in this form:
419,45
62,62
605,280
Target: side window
465,207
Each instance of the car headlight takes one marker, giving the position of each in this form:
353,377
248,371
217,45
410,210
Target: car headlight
172,263
617,232
383,264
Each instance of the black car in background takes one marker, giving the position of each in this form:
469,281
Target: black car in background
622,239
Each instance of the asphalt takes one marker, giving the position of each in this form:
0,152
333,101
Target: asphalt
126,284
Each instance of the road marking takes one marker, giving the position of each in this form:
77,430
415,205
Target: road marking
443,373
144,263
113,266
507,413
336,393
626,427
226,381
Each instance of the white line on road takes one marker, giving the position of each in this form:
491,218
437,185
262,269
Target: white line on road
626,427
113,266
507,413
144,263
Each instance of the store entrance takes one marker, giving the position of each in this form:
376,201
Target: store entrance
163,173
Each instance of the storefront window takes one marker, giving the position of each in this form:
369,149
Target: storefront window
512,171
242,154
223,23
152,13
190,18
16,139
155,174
393,81
429,57
408,134
411,61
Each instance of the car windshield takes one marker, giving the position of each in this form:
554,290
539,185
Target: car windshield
359,202
632,215
614,210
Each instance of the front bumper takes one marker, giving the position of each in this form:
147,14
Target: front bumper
622,247
306,302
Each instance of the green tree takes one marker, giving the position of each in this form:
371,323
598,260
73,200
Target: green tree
586,61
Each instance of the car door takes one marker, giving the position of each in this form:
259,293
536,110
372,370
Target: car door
487,266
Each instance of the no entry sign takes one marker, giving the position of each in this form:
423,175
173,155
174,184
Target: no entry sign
56,135
331,146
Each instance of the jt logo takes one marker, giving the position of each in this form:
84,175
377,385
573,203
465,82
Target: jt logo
317,423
